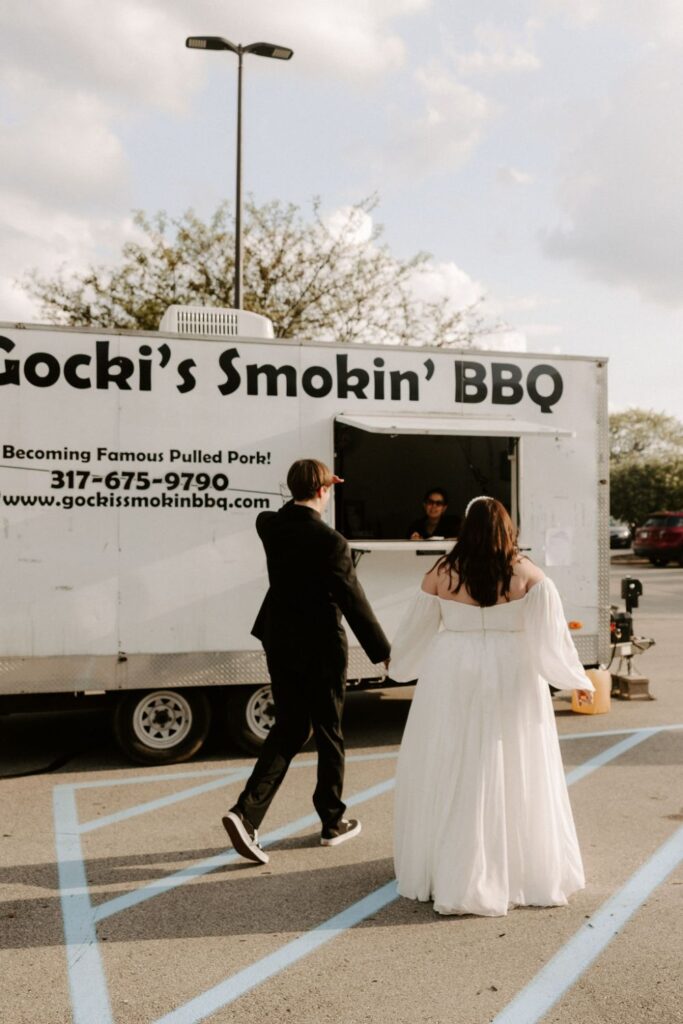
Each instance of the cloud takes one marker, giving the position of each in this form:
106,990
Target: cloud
434,281
431,281
127,54
74,73
513,176
350,39
538,330
500,51
74,76
620,191
36,236
503,341
64,154
354,224
519,304
447,131
652,19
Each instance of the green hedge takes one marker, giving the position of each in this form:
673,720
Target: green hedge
640,486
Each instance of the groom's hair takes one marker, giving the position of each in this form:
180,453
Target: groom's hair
306,477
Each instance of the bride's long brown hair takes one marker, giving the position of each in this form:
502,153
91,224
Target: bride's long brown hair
484,554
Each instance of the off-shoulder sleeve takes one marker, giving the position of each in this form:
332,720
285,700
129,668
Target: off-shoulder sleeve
550,642
417,629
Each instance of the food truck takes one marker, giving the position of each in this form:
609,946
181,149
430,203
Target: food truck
134,465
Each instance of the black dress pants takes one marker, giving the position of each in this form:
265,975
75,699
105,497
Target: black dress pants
308,696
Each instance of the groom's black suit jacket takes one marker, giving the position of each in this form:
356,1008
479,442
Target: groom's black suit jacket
312,584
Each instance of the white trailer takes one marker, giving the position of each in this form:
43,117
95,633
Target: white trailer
133,465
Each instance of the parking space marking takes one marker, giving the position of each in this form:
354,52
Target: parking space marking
615,732
172,881
588,767
164,801
139,780
570,962
244,981
87,981
185,794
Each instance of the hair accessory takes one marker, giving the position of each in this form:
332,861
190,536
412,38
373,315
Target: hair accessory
479,497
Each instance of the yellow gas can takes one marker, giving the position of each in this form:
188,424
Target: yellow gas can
602,681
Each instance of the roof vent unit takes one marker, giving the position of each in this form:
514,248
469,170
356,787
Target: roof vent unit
211,322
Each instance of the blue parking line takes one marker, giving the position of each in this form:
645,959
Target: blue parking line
172,881
219,860
609,755
186,794
232,988
228,991
570,962
151,777
199,1008
163,801
615,732
384,756
87,982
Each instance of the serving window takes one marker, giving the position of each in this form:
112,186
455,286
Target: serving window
388,466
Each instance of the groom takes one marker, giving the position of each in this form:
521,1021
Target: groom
312,584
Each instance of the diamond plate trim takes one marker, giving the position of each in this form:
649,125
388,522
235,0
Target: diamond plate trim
134,672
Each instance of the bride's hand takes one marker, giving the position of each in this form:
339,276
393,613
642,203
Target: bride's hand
585,696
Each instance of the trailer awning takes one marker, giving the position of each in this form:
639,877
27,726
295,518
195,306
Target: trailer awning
479,426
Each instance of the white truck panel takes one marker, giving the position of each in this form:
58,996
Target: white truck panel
88,579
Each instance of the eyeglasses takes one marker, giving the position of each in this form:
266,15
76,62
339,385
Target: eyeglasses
434,501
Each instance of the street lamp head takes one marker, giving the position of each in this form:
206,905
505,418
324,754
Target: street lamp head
219,43
269,50
210,43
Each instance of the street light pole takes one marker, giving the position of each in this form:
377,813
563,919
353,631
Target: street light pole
238,189
261,50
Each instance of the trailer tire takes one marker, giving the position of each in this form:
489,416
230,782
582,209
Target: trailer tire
161,726
250,716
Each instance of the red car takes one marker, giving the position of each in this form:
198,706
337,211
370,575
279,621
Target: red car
660,538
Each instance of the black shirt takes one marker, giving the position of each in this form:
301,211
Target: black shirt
447,526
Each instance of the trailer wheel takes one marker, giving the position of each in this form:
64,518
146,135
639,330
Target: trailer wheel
251,716
161,726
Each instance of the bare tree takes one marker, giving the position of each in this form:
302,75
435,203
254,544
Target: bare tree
313,280
643,433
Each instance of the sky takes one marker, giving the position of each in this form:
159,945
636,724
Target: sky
532,148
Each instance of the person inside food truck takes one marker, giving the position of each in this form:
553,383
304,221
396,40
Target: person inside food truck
434,522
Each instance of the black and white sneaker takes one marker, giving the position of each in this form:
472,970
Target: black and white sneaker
244,837
342,831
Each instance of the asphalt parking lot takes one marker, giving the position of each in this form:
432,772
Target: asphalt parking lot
122,903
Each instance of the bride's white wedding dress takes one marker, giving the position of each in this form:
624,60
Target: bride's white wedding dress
482,815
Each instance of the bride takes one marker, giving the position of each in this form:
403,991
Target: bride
482,815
